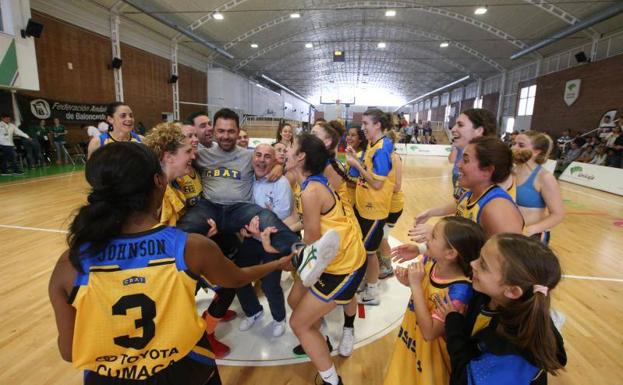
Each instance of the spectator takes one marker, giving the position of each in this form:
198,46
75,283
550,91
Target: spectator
44,141
140,129
58,132
7,146
606,126
409,130
600,156
103,127
592,140
33,146
571,156
615,148
563,143
588,152
280,153
243,139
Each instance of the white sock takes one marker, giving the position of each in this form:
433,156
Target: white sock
330,376
372,285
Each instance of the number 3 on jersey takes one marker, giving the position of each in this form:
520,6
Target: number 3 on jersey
148,313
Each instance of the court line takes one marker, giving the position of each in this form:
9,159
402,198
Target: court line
587,278
591,195
40,179
33,229
427,177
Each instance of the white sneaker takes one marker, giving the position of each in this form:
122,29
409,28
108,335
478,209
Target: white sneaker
347,342
248,322
370,296
386,270
317,256
279,328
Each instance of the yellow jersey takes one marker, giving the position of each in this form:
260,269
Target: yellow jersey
398,197
473,211
181,193
173,204
377,160
415,360
106,138
351,254
190,185
135,307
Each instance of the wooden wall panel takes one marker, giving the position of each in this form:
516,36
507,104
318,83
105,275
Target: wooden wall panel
490,102
467,104
600,91
146,87
193,87
90,81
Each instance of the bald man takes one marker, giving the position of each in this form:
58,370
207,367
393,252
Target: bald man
276,196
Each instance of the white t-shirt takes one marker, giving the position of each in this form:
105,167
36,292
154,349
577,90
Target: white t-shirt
93,131
102,127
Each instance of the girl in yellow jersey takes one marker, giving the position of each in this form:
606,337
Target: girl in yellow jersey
395,211
123,294
322,211
420,356
175,153
120,118
356,140
337,175
486,162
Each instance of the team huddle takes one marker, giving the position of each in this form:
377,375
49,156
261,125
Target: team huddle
186,209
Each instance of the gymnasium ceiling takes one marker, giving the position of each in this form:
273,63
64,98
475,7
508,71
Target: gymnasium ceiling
412,61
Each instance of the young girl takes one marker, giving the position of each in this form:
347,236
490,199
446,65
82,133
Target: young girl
356,139
538,193
124,293
322,210
420,355
507,335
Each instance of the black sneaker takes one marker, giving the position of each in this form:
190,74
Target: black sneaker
299,351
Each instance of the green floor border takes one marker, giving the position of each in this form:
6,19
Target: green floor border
41,172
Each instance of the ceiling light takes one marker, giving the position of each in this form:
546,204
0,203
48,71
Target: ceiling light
381,45
444,44
295,15
480,10
218,16
309,45
253,45
390,13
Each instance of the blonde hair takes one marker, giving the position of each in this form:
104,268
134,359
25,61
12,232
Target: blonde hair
542,142
165,137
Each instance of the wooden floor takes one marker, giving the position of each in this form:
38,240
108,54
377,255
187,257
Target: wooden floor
588,243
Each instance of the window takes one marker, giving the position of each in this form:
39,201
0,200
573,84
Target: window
478,102
526,101
430,113
510,124
447,113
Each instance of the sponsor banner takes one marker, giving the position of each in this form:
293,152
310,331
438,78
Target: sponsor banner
34,109
550,165
572,91
253,142
603,178
423,149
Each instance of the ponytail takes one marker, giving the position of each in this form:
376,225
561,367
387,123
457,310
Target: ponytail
534,268
121,176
